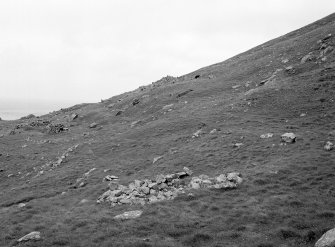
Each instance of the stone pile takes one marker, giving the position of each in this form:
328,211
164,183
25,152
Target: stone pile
61,159
36,123
165,187
55,128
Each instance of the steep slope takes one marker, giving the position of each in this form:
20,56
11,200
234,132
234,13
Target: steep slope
287,197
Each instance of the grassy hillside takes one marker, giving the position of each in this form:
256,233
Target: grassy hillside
287,197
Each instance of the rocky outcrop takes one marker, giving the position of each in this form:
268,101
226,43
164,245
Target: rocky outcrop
165,187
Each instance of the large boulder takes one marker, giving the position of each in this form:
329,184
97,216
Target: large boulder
327,239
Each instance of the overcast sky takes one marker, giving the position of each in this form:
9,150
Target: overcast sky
91,50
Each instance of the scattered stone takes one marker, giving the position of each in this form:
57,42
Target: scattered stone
157,159
110,178
327,239
74,116
306,58
302,114
31,236
288,137
235,177
83,201
21,205
136,101
165,187
119,113
184,93
285,60
129,215
93,125
213,131
10,175
166,107
235,86
237,145
329,146
197,133
110,105
55,128
289,68
267,135
132,125
187,171
196,76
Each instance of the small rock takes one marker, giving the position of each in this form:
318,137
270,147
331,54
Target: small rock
213,131
125,201
194,185
234,177
302,114
288,137
110,178
93,125
306,58
21,205
166,107
237,145
285,60
265,136
132,125
157,159
30,236
327,239
188,171
136,101
129,215
235,86
74,116
221,178
118,113
197,133
83,201
329,146
289,68
113,185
